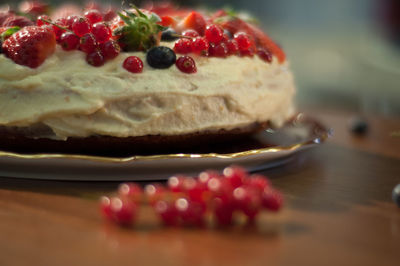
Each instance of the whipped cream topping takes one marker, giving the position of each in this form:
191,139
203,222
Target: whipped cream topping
78,100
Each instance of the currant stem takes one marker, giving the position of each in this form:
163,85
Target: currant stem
58,26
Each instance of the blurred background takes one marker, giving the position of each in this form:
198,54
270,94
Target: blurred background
345,54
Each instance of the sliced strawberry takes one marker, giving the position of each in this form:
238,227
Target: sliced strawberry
194,21
261,39
34,7
167,21
30,46
17,21
167,9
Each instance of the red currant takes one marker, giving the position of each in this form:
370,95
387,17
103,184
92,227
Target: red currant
191,213
258,182
190,33
214,34
218,50
101,32
40,21
183,46
81,26
154,192
57,30
200,45
123,211
186,64
167,212
93,16
130,191
175,183
249,52
235,175
110,49
223,210
232,46
243,41
70,20
265,55
88,43
271,199
133,64
248,201
105,207
95,58
69,41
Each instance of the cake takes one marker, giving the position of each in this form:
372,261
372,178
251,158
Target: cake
157,77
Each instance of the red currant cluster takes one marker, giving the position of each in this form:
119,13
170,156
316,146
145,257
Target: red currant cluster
88,33
219,43
187,201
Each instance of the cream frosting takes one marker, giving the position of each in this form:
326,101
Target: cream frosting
78,100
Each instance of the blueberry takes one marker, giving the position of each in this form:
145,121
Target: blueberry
358,126
161,57
169,35
396,195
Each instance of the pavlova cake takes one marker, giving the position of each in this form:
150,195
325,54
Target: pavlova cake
103,80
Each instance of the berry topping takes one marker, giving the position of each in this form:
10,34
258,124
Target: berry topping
194,21
33,8
160,57
169,35
69,41
94,16
133,64
69,21
17,21
233,47
166,21
30,46
265,55
200,45
218,50
190,33
41,20
110,49
243,41
183,46
214,34
271,199
95,58
101,32
140,31
88,43
81,26
119,210
186,64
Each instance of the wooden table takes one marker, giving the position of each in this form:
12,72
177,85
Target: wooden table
339,212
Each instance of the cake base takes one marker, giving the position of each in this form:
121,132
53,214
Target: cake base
199,142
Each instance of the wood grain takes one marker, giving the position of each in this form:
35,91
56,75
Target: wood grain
338,212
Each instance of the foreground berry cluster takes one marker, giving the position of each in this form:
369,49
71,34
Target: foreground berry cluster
30,35
188,201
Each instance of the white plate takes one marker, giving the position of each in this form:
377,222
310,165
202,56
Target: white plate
268,149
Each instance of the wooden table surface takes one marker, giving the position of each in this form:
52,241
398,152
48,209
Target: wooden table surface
338,212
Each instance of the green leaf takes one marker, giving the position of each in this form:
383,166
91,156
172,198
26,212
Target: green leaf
9,32
155,18
126,19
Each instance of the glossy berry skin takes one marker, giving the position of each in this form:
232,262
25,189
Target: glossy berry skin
19,21
95,58
233,47
154,192
214,34
271,199
235,175
248,201
160,57
57,30
133,64
167,212
265,55
40,22
110,49
121,211
243,41
169,35
200,45
186,64
190,212
101,32
195,21
183,46
93,16
258,182
223,211
69,41
30,46
176,183
70,20
218,50
190,33
88,43
130,191
81,26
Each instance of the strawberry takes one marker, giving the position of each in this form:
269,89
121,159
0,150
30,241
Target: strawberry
261,39
30,46
166,9
194,21
17,21
34,7
167,21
